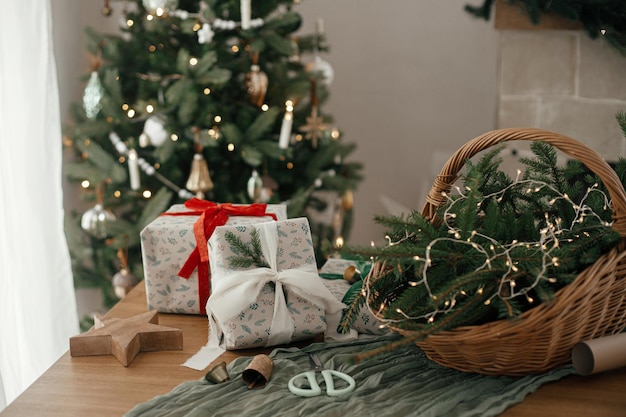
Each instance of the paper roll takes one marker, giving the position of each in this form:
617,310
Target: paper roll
598,355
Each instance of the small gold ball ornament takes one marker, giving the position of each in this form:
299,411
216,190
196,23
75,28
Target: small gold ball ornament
347,200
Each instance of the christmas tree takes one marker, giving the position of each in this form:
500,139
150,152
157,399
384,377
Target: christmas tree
217,99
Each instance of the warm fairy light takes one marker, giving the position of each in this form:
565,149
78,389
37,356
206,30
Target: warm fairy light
121,159
299,138
130,23
85,184
125,107
289,165
289,105
149,18
231,147
174,137
117,193
146,194
495,251
149,108
339,242
265,107
193,61
603,31
130,113
207,91
160,11
212,133
196,27
217,119
335,134
234,48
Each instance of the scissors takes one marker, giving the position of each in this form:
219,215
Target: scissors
311,377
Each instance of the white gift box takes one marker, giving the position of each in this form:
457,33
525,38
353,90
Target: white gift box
283,301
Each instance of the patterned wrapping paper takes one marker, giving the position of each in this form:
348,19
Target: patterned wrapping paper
266,306
332,274
165,245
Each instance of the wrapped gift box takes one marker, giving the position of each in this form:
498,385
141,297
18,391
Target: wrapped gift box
332,273
276,299
168,242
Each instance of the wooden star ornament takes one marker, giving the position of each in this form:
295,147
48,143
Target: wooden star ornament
124,338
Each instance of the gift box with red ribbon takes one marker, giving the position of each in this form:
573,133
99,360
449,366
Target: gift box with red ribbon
175,255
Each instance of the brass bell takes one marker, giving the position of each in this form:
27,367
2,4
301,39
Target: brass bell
218,374
199,181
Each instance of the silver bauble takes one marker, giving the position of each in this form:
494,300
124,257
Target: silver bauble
95,221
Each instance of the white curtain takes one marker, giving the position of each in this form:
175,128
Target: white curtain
37,301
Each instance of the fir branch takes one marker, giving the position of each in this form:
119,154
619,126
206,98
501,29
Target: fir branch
248,254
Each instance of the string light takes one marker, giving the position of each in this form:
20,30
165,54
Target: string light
494,250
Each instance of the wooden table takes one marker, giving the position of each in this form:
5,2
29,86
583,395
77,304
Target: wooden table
100,386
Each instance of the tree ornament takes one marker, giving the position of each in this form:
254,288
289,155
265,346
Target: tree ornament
95,221
124,280
160,6
92,96
256,82
205,34
318,65
268,189
314,124
255,185
154,132
347,200
199,181
133,170
285,128
106,9
246,13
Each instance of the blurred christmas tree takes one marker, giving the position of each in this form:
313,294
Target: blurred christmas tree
212,98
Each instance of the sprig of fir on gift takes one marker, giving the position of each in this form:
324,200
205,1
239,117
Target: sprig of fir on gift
247,254
502,247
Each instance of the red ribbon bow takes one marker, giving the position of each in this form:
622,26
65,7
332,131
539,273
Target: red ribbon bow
211,215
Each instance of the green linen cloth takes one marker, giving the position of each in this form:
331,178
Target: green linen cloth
399,383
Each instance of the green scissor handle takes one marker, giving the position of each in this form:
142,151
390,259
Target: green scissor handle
314,388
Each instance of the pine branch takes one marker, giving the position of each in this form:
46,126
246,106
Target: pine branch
248,254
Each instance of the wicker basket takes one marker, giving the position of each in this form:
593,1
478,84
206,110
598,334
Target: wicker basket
593,305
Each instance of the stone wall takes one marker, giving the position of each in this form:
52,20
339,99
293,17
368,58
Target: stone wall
563,81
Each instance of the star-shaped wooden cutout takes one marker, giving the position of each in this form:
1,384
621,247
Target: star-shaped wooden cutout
124,338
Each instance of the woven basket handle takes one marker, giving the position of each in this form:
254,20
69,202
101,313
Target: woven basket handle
593,160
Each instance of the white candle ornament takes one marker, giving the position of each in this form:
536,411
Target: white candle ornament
246,14
133,170
285,128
